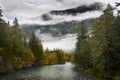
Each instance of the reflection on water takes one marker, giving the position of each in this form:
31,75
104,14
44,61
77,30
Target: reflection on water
52,72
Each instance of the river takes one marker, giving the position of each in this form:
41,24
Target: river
52,72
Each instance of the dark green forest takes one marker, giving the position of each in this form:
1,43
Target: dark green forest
98,52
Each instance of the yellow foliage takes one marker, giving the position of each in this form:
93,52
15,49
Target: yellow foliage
52,58
29,56
117,77
16,62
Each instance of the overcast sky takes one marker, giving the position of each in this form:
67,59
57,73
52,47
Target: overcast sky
24,9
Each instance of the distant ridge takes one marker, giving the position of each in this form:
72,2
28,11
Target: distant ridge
80,9
73,11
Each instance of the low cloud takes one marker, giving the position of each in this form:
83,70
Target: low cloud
63,18
24,9
66,42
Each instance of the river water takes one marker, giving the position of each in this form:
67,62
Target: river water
52,72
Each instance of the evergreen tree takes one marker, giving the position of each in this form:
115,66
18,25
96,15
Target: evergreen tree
104,43
82,47
15,38
117,45
60,56
0,12
5,37
4,34
37,48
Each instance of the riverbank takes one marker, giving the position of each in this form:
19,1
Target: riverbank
38,72
49,72
89,73
8,71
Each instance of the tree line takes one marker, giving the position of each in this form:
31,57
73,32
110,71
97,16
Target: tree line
98,51
18,51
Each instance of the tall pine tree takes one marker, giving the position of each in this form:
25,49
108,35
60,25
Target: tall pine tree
82,47
37,48
104,44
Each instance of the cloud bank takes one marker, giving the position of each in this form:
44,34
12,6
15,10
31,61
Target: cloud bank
62,18
24,9
66,42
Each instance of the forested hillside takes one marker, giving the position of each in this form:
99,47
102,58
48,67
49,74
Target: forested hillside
57,30
98,53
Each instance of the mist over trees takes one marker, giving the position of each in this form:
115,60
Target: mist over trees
98,53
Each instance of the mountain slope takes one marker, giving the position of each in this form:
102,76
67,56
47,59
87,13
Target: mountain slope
80,9
55,30
62,15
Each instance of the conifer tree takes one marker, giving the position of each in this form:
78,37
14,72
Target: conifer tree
82,47
15,38
117,45
0,12
37,48
103,44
